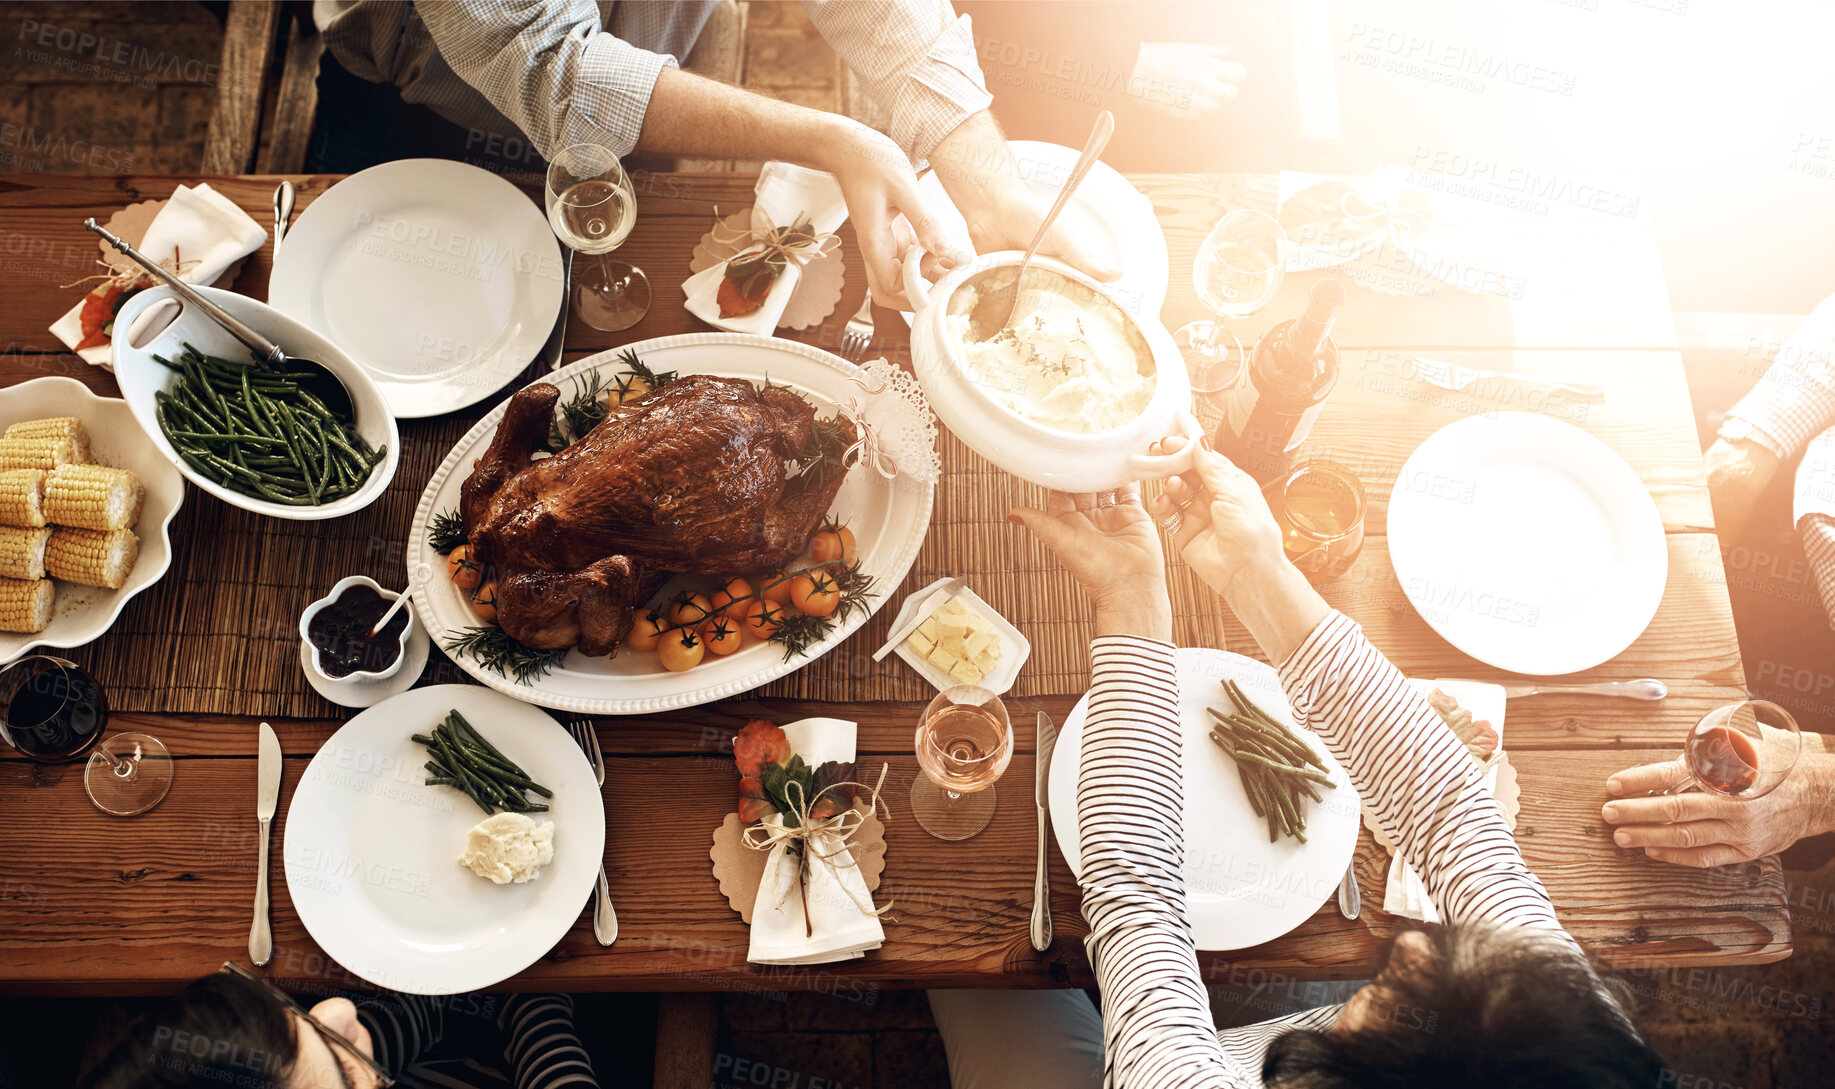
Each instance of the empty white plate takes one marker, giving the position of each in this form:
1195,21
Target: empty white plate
1240,890
372,852
441,279
1527,543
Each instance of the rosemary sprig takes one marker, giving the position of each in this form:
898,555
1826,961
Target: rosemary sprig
446,532
504,656
656,379
829,440
580,413
798,633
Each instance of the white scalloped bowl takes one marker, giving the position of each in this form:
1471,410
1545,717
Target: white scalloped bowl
115,438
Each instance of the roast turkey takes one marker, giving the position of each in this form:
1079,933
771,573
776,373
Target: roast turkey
704,475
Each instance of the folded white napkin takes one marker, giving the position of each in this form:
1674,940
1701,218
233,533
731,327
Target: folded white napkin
207,232
1405,894
840,929
785,193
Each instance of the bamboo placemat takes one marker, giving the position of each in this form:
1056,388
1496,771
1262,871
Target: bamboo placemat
219,633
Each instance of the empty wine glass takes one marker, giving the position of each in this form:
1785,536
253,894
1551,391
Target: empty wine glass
964,742
55,712
1237,272
592,207
1741,750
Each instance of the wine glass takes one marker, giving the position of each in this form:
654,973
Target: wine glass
592,207
1741,750
964,742
1237,272
55,713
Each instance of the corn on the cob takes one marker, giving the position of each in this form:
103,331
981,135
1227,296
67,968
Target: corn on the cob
93,497
25,604
44,452
22,497
55,427
22,552
92,557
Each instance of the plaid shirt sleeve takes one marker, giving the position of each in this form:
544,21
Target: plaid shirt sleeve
915,58
551,68
1795,400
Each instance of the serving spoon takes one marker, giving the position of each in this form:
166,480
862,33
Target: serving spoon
320,381
993,310
422,572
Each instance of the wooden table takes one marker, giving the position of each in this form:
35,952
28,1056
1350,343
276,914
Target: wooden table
91,904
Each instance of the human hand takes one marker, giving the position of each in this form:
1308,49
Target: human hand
878,185
1737,473
1184,79
1225,526
1001,208
1705,829
1110,546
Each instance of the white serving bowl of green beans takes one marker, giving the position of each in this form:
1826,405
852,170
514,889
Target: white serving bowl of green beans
243,434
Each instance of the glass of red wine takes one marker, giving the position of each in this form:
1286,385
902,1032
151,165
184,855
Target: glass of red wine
55,713
1741,750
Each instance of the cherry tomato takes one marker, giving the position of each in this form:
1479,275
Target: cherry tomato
814,593
645,633
680,650
466,575
777,588
733,589
688,609
834,543
763,617
720,634
484,602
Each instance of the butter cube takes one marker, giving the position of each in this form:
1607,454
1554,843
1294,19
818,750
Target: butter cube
928,629
943,659
978,641
966,673
921,644
987,664
956,645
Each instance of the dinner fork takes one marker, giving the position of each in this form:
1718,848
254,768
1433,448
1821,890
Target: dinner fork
605,920
1453,376
858,336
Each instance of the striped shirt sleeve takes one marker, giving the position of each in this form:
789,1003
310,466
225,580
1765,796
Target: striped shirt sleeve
1157,1028
1412,772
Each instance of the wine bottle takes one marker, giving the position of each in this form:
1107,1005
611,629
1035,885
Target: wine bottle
1291,372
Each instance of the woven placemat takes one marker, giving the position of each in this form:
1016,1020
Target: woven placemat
219,633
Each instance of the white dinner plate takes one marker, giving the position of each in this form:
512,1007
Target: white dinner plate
1105,199
1240,890
441,279
889,519
83,613
372,852
1527,543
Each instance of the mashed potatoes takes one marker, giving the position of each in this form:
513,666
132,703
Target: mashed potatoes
1069,359
509,848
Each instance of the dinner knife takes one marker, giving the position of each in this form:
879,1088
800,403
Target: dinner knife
267,796
934,601
1041,886
1642,689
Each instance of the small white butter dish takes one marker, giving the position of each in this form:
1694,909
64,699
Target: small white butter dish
1014,647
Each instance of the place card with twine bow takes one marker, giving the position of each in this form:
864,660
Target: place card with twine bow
792,224
808,866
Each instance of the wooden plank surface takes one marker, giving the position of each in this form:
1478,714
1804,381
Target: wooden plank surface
235,126
142,905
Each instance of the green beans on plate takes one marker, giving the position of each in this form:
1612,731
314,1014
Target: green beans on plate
461,758
259,432
1278,770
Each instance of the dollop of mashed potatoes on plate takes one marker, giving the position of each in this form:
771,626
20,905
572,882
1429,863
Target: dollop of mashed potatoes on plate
509,848
1069,359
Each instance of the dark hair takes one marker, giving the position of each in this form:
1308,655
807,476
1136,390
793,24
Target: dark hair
221,1030
1503,1008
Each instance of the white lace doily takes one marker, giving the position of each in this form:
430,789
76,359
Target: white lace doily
897,431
